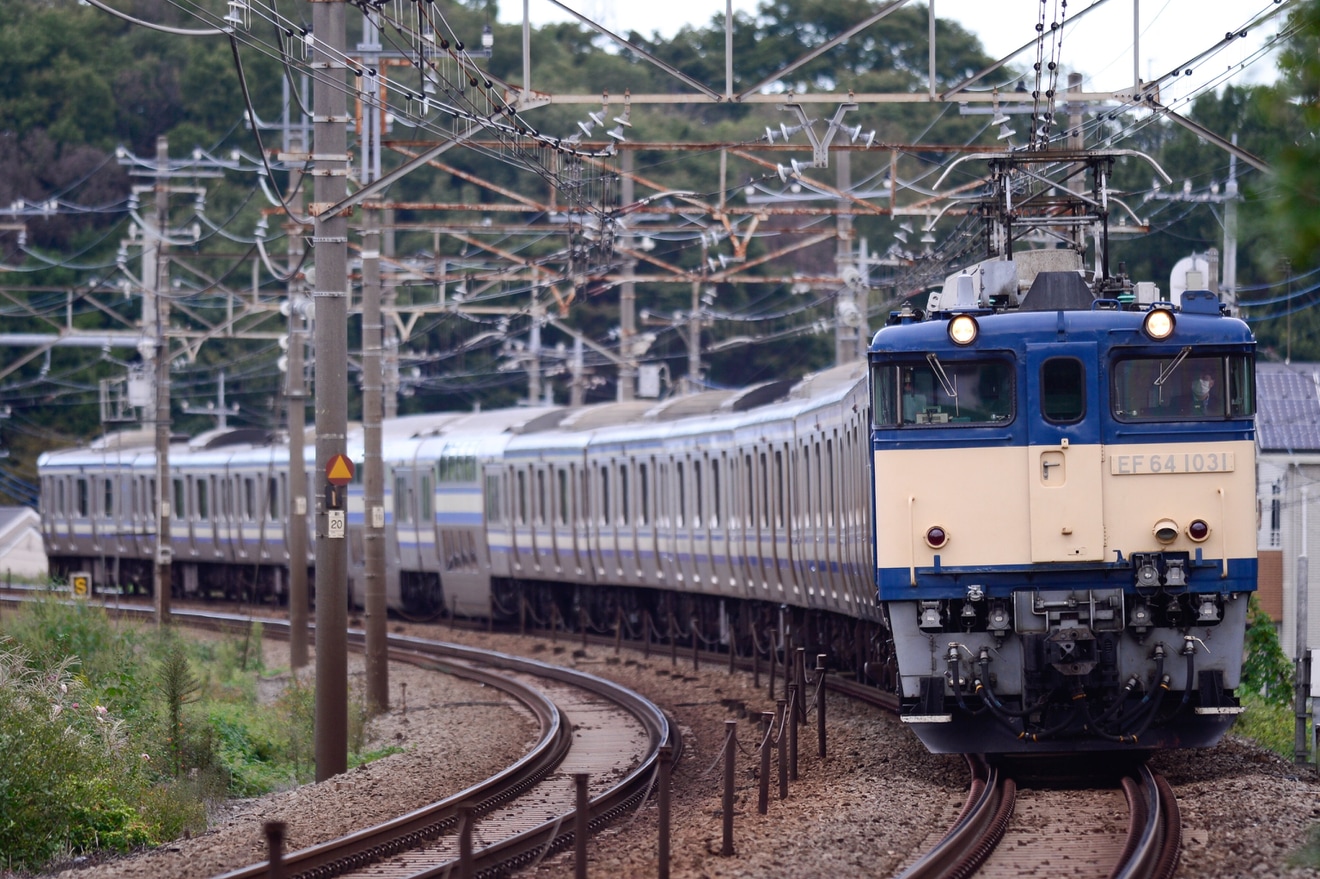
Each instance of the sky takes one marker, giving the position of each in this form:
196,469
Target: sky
1172,32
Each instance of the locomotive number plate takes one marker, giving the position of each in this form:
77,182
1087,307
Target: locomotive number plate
1173,462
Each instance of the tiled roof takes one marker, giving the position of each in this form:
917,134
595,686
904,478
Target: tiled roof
1288,407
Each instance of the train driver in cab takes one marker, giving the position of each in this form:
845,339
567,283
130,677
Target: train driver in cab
1205,399
914,403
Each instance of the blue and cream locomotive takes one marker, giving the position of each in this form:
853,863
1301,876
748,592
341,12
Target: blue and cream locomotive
1065,533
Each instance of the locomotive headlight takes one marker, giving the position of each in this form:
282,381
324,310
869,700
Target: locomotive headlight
963,329
1158,323
1166,531
1199,530
936,537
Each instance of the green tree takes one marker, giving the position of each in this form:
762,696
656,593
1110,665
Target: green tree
1265,670
1298,163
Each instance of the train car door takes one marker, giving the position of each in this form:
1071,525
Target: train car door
666,563
702,567
1064,455
718,525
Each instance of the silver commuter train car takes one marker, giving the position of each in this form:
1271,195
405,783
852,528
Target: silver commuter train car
751,494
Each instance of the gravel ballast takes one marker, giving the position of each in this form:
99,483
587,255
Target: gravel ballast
867,810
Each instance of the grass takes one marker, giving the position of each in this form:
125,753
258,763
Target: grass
119,737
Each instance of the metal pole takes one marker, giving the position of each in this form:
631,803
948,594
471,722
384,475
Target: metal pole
763,794
781,714
373,531
160,288
580,826
666,767
820,705
696,643
275,849
728,49
1228,289
1299,649
793,719
378,675
730,761
1136,43
330,240
694,338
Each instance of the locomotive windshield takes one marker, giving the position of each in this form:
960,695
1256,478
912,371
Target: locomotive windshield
942,392
1183,387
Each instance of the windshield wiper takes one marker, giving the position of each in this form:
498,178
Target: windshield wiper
1168,370
950,389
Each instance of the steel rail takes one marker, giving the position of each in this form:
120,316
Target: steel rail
976,832
361,848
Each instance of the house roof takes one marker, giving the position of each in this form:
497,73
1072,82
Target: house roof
1288,407
13,519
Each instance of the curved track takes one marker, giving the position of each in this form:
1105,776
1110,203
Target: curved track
587,725
1010,831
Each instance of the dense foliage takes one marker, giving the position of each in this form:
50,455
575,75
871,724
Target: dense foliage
117,737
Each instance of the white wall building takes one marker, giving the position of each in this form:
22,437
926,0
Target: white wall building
22,553
1288,494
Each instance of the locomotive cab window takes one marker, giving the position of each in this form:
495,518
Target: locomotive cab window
1184,387
1062,390
945,393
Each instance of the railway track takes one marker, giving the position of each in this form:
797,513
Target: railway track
1009,830
588,726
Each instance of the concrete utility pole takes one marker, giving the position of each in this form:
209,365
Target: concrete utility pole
1302,672
160,283
330,243
627,294
378,674
297,402
849,314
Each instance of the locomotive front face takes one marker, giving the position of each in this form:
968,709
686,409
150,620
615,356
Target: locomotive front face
1065,527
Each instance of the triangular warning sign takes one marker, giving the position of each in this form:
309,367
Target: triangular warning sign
340,470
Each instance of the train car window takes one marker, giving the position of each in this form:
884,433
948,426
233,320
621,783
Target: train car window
952,393
884,395
643,496
83,500
625,496
829,468
522,497
765,491
428,499
698,495
272,499
1062,390
1241,386
562,488
180,500
108,498
401,500
203,501
716,506
749,513
604,495
152,497
680,509
779,489
493,498
662,495
1183,387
